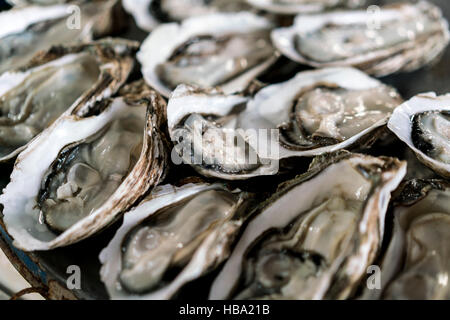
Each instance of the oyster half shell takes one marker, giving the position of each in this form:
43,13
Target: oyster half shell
87,168
174,236
239,136
423,123
416,264
402,37
30,29
33,97
316,236
227,50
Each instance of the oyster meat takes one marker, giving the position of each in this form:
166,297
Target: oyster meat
33,97
401,37
150,13
303,6
240,136
171,238
227,50
316,236
416,264
423,123
91,165
27,30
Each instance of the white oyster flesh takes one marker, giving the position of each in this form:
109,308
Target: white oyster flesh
237,137
169,239
33,99
90,171
423,123
79,174
30,29
303,6
316,238
408,37
416,265
227,50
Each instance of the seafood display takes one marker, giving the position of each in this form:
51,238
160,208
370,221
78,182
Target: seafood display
244,149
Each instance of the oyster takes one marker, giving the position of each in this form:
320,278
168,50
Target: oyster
33,97
27,30
239,136
87,168
173,237
423,123
227,50
316,236
303,6
416,264
150,13
402,37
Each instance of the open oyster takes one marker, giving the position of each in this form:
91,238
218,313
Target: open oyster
27,30
316,236
303,6
150,13
227,50
88,167
401,37
33,97
423,123
174,236
241,136
416,264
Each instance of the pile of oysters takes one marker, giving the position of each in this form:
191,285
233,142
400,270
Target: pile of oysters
255,147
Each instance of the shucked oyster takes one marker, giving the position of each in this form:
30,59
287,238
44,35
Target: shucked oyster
423,123
315,237
174,236
227,50
237,136
33,97
30,29
303,6
150,13
88,167
401,37
416,265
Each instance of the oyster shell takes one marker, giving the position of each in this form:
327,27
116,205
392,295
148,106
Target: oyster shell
416,264
240,136
30,29
423,123
33,97
87,168
408,37
150,13
171,238
227,50
303,6
316,236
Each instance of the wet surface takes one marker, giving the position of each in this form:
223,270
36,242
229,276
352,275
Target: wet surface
85,254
